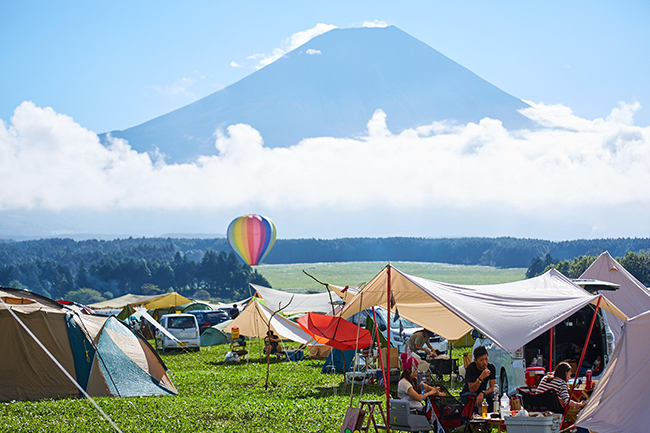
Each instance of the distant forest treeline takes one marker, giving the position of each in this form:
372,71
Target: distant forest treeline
136,265
638,264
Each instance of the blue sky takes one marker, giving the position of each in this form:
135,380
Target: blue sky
102,66
112,65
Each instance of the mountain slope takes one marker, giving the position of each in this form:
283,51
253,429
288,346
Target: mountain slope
333,92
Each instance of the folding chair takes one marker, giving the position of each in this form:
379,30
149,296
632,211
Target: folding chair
542,402
438,367
451,412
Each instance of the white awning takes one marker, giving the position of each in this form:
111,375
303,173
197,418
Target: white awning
301,303
510,314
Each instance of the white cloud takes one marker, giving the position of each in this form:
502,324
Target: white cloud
291,43
181,87
375,23
554,173
234,64
312,51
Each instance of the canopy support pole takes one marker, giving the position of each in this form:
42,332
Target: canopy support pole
381,357
582,357
550,356
387,382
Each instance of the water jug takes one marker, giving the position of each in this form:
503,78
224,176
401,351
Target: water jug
505,406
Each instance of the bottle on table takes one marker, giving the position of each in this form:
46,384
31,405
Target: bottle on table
505,406
495,397
484,409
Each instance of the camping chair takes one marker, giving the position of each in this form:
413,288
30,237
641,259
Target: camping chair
542,402
438,367
450,412
402,419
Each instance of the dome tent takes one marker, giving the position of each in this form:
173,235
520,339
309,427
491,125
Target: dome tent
102,354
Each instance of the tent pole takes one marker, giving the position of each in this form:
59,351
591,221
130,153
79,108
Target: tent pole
381,358
550,356
582,357
387,382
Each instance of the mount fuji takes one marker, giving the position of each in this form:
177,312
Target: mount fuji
331,86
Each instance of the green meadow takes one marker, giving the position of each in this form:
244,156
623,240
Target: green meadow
352,273
213,397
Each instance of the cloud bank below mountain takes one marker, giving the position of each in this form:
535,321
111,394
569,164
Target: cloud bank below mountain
572,172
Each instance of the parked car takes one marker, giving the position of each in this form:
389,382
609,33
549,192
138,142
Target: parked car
397,339
183,327
207,318
569,336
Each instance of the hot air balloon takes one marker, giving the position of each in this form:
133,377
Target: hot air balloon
251,237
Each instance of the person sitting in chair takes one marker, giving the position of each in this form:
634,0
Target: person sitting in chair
480,377
272,344
558,382
408,389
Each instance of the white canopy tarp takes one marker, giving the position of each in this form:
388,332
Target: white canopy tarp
253,322
619,403
301,303
155,324
633,298
510,314
123,301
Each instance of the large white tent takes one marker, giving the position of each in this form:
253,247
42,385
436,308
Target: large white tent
297,302
619,403
510,314
632,298
254,320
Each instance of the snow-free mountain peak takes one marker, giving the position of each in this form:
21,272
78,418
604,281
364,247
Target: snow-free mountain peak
331,86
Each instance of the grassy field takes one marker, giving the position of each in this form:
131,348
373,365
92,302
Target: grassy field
353,273
213,397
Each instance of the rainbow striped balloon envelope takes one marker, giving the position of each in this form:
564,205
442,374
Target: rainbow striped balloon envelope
251,237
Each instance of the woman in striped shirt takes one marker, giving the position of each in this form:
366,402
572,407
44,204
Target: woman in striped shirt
558,382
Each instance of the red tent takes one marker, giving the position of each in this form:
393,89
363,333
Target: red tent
335,332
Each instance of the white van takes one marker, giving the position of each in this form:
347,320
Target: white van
182,326
569,336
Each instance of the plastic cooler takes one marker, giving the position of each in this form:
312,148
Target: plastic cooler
534,376
533,424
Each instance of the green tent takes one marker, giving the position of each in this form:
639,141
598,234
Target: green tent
213,336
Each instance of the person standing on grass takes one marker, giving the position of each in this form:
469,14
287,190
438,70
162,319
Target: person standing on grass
480,378
234,312
420,341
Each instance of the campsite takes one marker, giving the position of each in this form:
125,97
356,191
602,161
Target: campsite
200,391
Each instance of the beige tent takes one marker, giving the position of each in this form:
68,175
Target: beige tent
150,302
345,293
632,298
620,402
254,320
510,314
103,355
